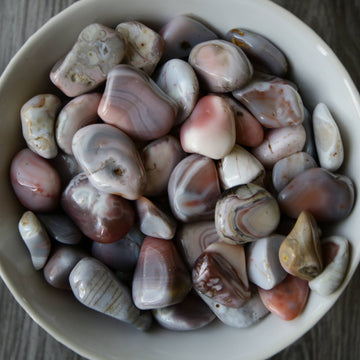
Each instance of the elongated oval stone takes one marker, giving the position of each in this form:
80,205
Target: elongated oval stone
96,287
178,79
274,103
329,197
221,66
240,167
193,238
243,317
327,137
60,264
336,254
144,46
77,113
246,213
279,143
100,216
110,160
153,221
97,50
220,273
194,188
300,252
286,300
210,129
263,54
121,255
249,131
61,228
289,167
161,278
35,182
38,124
136,105
263,266
190,314
35,238
159,158
181,34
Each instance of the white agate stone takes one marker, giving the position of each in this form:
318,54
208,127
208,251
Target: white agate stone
288,168
95,286
279,143
38,124
35,238
327,136
248,314
153,221
221,66
333,274
240,167
210,129
263,264
178,80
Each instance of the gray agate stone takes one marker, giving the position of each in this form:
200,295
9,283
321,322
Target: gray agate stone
97,50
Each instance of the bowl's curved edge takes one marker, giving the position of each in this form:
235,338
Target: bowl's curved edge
57,19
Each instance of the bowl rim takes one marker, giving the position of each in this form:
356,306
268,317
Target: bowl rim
77,6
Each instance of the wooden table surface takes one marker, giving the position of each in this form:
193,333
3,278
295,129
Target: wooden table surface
337,335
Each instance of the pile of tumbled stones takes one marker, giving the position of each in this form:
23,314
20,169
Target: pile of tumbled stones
189,187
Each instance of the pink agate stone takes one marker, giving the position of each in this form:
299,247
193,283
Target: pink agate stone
194,189
210,129
100,216
287,299
35,182
135,104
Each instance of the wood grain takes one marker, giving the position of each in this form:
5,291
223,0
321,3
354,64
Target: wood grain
337,335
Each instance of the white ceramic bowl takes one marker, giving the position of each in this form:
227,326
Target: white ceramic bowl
320,77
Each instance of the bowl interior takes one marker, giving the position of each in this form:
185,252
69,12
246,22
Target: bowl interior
320,77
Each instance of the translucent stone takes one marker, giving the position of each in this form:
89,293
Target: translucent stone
100,216
110,160
35,182
329,197
66,166
327,136
286,300
136,105
161,278
38,124
77,113
210,129
300,252
97,50
96,287
220,66
194,188
35,238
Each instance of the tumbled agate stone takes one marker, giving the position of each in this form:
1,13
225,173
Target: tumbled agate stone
110,160
220,65
97,50
96,287
135,104
161,278
38,124
35,182
194,188
100,216
77,113
35,238
263,54
144,46
329,197
220,274
66,166
190,314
